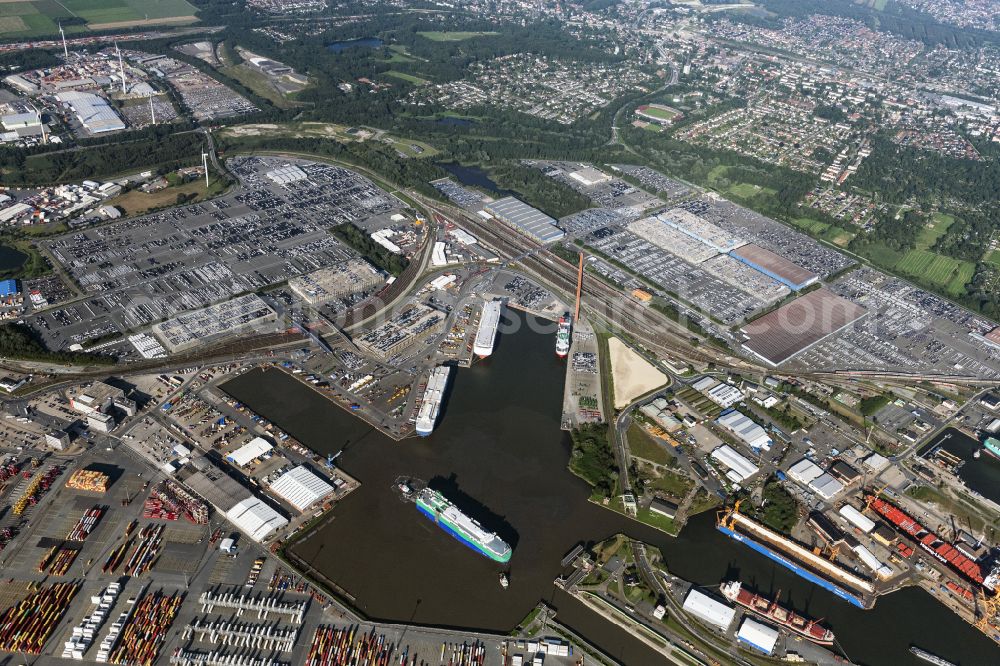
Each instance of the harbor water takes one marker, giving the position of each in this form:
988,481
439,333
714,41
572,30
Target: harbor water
499,454
980,474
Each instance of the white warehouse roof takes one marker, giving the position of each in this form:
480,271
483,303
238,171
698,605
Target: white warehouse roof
737,463
255,519
758,636
704,384
301,488
749,432
725,395
826,486
707,609
255,448
856,518
805,471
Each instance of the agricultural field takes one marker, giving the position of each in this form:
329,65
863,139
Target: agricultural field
951,275
31,18
455,36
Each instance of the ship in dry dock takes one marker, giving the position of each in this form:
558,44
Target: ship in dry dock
776,613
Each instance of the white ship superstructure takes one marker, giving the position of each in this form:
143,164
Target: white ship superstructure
430,403
487,333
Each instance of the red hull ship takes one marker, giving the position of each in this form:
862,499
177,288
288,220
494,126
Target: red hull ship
771,610
932,543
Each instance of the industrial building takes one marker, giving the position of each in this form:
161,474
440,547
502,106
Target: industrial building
589,176
774,266
529,221
252,450
57,439
663,508
413,323
745,429
255,519
758,636
354,276
856,518
301,488
813,477
658,412
701,230
723,394
708,610
740,469
214,322
100,397
93,111
791,329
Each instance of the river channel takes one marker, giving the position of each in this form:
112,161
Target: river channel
499,453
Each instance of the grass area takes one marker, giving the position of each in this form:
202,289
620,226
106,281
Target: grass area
136,202
258,83
415,80
930,234
947,273
453,36
410,147
963,513
656,520
703,501
672,483
993,258
746,190
399,55
642,445
101,12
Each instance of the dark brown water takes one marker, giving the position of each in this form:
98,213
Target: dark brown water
499,453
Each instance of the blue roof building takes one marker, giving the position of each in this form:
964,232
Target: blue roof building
8,288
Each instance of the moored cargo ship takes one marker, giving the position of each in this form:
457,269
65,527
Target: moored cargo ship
943,551
563,335
771,610
446,515
929,657
430,403
487,333
992,446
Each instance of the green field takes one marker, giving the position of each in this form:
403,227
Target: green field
746,190
456,36
416,80
399,54
949,274
993,258
929,235
41,17
661,112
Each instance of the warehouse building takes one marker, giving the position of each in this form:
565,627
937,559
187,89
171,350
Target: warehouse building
354,276
856,518
93,112
745,429
708,610
255,519
252,450
213,323
301,488
414,323
774,266
589,176
528,220
740,469
791,329
758,636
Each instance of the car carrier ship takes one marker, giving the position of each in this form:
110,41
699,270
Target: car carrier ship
487,333
773,611
563,335
430,403
448,517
